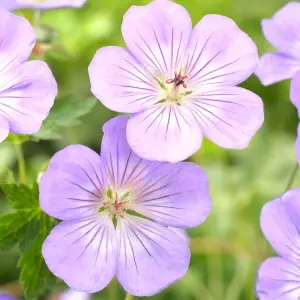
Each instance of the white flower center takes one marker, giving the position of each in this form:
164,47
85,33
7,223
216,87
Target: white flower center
115,202
174,90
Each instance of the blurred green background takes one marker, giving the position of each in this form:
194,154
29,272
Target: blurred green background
229,247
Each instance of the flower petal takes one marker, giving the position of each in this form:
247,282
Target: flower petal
5,296
219,52
298,144
174,195
280,223
157,35
274,67
181,233
27,93
4,129
72,185
151,256
229,116
295,91
47,4
282,31
120,82
123,166
165,132
278,279
83,253
74,295
17,40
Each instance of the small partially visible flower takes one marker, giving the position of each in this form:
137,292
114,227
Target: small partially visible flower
279,277
179,83
40,4
27,88
116,211
5,296
73,295
283,32
67,295
295,98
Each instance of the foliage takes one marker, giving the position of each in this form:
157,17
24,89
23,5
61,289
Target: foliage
228,248
27,226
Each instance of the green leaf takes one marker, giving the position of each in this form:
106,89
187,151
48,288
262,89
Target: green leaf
27,227
35,275
66,112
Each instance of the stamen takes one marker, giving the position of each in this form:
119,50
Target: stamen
178,80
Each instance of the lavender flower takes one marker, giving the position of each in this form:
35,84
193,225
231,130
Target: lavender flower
5,296
116,210
279,277
27,88
283,32
40,4
74,295
179,82
295,98
67,295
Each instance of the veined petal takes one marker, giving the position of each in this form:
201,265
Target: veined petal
165,132
4,129
123,167
174,195
157,34
282,31
278,279
83,253
120,82
295,91
17,40
27,93
181,233
219,52
229,116
280,223
151,256
274,67
73,184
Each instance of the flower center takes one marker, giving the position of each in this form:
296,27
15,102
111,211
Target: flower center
115,202
175,90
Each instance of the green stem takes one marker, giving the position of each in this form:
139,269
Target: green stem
21,163
128,297
292,177
36,18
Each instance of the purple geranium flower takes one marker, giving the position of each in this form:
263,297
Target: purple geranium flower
74,295
279,277
5,296
67,295
27,88
283,32
40,4
116,210
179,82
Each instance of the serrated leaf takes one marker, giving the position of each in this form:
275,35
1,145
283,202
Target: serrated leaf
35,275
66,112
22,197
27,226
